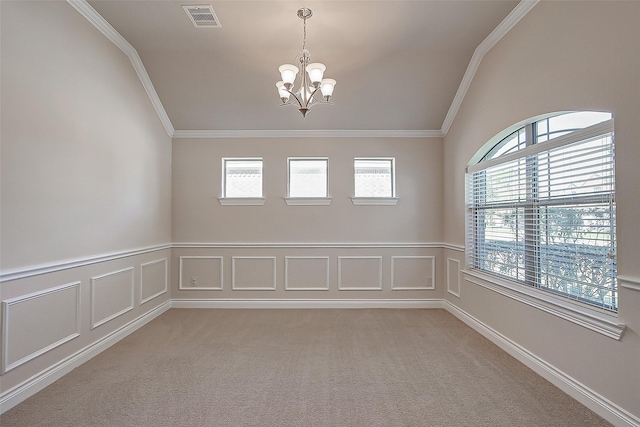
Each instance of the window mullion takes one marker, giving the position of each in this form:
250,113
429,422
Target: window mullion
531,216
479,219
544,214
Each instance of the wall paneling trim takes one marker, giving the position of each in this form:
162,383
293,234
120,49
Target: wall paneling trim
111,296
453,277
306,273
360,273
320,270
413,272
154,280
36,323
201,273
252,273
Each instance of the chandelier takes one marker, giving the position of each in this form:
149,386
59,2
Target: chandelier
311,77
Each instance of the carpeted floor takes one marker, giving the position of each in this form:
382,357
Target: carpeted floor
302,368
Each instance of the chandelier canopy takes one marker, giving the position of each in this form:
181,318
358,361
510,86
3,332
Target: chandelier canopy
311,77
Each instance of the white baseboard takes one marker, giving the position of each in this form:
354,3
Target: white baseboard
306,303
23,391
583,394
592,400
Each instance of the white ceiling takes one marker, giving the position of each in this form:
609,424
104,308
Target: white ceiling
398,64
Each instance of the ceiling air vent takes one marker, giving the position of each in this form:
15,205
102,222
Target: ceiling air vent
202,16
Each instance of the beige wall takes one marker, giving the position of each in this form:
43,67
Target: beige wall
561,56
199,217
86,178
402,242
86,163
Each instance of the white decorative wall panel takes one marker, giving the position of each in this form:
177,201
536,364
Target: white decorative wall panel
253,273
201,273
111,296
306,273
36,323
453,277
153,280
360,273
413,272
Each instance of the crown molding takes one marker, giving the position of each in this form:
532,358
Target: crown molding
105,28
336,133
500,31
503,28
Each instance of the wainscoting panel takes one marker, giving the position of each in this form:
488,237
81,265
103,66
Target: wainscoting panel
306,273
111,296
201,273
453,277
51,314
253,273
36,323
359,273
153,279
410,273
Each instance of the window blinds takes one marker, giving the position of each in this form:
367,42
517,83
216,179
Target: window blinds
545,216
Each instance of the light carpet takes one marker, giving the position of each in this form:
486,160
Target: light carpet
367,367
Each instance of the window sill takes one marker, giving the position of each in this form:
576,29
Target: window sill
242,201
604,323
374,201
308,201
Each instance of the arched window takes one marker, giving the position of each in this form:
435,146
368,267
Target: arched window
541,208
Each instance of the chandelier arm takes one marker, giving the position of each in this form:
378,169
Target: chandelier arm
295,96
313,94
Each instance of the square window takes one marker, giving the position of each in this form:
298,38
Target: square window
242,178
308,177
374,177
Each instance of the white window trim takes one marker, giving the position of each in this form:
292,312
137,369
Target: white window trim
591,317
377,201
576,136
306,201
240,201
600,321
373,201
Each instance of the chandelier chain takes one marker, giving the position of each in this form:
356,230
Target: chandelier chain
304,38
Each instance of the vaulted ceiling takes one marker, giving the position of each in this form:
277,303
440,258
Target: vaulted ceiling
398,64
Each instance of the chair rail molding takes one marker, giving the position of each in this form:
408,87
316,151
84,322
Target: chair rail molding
35,270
